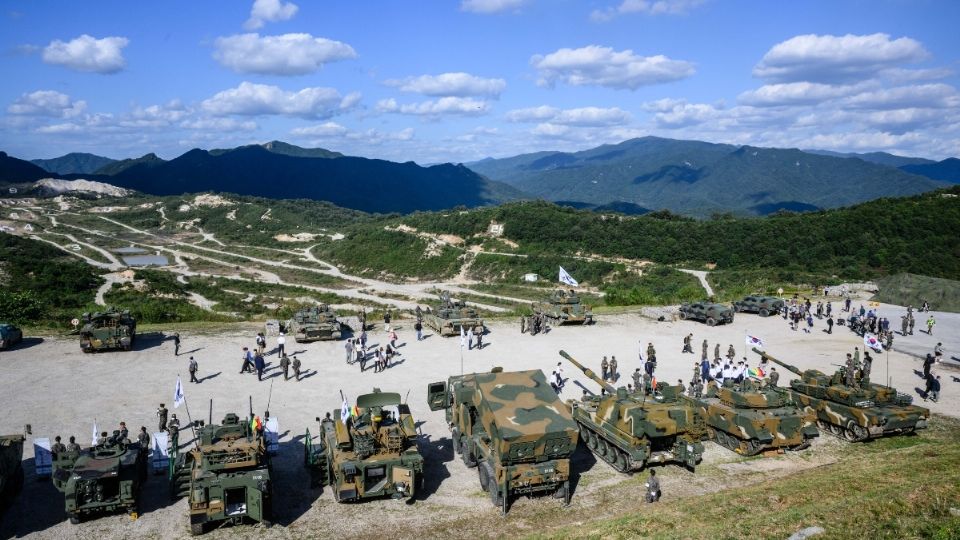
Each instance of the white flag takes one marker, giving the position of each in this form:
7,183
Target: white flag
754,341
463,338
178,396
96,434
344,411
567,278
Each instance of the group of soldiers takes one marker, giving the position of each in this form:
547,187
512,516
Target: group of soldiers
120,436
535,323
253,361
358,353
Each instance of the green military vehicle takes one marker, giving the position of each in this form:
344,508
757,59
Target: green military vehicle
750,419
630,431
226,477
451,315
564,307
513,428
10,335
370,452
855,413
102,479
111,329
11,466
761,305
314,323
708,312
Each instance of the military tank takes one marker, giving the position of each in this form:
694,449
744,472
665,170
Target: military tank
369,452
314,323
11,466
226,476
630,431
451,315
103,479
111,329
708,312
564,307
750,419
855,413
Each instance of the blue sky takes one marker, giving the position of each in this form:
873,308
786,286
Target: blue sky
460,80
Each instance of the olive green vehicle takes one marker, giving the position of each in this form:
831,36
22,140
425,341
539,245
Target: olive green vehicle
314,323
111,329
11,466
372,454
564,307
226,477
102,479
632,431
708,312
855,413
513,428
749,419
451,315
761,305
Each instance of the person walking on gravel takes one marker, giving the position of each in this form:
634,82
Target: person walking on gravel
930,323
281,342
193,370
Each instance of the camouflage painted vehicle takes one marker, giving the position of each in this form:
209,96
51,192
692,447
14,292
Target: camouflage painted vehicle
314,323
102,479
372,454
11,466
226,477
761,305
855,413
451,315
630,431
10,335
111,329
513,428
708,312
564,307
749,419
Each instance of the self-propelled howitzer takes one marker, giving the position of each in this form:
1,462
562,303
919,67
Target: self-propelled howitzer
863,411
630,431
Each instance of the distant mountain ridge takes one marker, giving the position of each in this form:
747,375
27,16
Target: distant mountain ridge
699,178
13,170
947,170
881,158
73,163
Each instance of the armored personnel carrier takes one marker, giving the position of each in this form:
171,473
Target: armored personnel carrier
102,479
513,428
564,307
451,315
11,467
855,413
749,419
761,305
226,477
628,431
708,312
314,323
371,452
111,329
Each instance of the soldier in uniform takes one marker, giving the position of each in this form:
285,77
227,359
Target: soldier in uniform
174,425
604,369
613,369
162,416
911,322
704,348
144,439
285,366
686,344
716,352
731,352
637,375
58,447
296,368
696,372
72,446
193,370
865,370
176,344
647,379
698,388
653,487
773,378
102,439
124,432
848,374
651,352
523,324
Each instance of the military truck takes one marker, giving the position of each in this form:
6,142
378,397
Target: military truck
10,335
102,479
761,305
226,476
314,323
708,312
630,431
370,452
11,466
855,413
111,329
513,428
564,307
451,315
750,419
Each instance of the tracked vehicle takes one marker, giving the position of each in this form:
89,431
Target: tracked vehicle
314,323
631,431
564,307
372,453
111,329
452,315
855,413
513,428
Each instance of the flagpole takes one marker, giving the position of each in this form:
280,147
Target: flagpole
186,406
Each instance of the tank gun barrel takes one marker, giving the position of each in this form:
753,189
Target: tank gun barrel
589,373
787,366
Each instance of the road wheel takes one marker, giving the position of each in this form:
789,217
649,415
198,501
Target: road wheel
455,436
711,321
74,520
623,462
484,479
764,312
466,451
683,315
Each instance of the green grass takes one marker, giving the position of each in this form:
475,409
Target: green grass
659,285
731,285
911,289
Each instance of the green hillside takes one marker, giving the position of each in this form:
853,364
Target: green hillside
73,163
911,289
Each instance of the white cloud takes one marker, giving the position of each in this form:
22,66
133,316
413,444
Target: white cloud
46,103
532,114
602,66
924,95
261,99
490,6
550,130
269,11
831,59
647,7
675,113
326,129
287,54
439,107
797,93
219,124
583,116
87,53
457,84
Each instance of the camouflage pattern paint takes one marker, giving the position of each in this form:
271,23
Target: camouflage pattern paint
313,324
